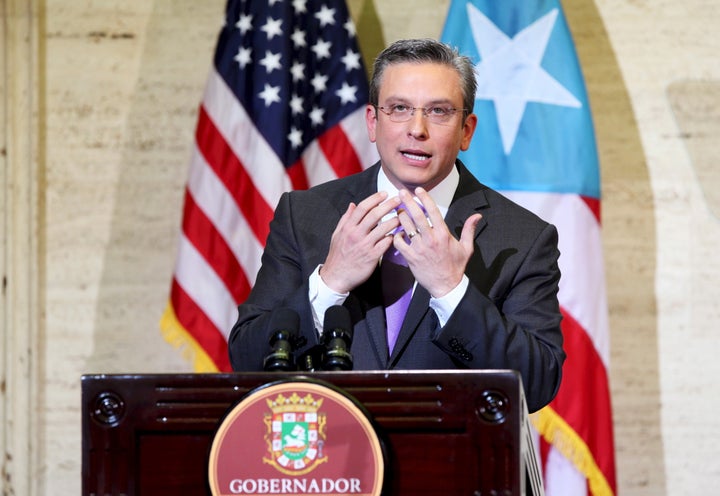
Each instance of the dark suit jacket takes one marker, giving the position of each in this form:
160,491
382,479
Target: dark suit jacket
509,317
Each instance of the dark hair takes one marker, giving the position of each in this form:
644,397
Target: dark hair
425,50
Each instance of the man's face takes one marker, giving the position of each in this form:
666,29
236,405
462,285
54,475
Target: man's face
419,152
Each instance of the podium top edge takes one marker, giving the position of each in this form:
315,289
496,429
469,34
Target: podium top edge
302,374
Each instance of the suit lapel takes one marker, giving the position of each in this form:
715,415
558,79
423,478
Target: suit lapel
469,199
373,313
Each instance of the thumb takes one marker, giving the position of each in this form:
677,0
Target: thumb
467,236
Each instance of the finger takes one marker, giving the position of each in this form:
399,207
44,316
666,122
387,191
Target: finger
402,244
368,204
389,226
382,245
345,219
378,231
375,207
365,216
409,229
467,236
414,210
433,211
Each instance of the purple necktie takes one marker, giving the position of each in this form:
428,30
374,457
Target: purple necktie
397,284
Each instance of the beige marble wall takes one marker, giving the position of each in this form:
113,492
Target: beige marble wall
110,133
667,52
21,178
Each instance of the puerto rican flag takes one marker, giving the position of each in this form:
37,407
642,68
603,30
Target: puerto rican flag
535,143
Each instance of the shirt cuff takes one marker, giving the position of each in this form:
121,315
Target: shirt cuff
321,298
446,305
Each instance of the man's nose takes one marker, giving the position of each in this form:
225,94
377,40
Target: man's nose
418,124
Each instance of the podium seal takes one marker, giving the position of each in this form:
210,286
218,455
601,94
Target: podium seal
296,438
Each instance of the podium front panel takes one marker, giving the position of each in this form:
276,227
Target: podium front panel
445,432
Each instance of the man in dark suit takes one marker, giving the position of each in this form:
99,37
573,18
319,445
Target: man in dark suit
485,269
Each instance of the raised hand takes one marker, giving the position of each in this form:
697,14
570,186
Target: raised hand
358,242
435,257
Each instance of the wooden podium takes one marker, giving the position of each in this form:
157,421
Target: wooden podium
446,433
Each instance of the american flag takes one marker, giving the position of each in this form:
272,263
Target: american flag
283,109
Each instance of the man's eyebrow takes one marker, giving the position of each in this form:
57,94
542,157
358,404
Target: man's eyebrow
394,99
438,101
445,101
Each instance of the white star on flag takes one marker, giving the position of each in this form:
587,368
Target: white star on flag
351,60
271,61
300,6
350,28
272,28
316,116
244,24
243,57
298,71
510,74
295,137
319,82
322,49
346,93
326,16
296,105
298,38
270,94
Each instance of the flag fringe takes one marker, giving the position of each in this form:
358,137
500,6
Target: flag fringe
556,431
179,338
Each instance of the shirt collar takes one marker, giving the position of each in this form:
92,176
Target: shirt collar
442,194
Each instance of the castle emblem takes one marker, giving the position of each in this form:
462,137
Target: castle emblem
296,433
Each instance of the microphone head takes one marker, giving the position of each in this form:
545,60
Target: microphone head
284,320
283,326
337,318
337,337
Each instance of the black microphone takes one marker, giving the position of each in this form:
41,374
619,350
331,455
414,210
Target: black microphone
337,338
284,324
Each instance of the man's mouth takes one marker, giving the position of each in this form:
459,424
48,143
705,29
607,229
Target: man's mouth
416,155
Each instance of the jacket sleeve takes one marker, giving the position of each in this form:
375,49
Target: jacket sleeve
517,326
281,282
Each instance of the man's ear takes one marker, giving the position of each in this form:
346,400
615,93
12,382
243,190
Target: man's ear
371,121
468,130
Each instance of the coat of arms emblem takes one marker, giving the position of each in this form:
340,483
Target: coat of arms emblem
296,433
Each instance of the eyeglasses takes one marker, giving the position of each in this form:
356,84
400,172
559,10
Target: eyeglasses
403,113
